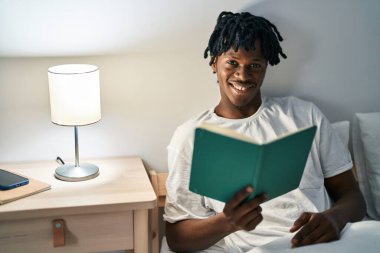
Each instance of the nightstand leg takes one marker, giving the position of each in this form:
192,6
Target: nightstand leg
140,230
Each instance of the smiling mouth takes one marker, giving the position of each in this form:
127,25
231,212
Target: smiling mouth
240,87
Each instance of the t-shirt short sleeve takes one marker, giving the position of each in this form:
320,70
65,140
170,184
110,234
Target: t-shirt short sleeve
334,155
182,204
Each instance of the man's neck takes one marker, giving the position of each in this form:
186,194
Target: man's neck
235,112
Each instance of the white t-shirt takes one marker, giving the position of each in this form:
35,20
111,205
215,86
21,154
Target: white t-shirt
276,116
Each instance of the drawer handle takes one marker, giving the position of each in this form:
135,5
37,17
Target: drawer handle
58,233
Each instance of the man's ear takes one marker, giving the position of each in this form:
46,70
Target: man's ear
213,66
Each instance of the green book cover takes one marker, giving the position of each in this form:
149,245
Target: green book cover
225,161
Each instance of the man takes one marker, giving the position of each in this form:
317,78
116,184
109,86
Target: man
240,47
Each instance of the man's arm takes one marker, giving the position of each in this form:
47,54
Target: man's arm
349,206
199,234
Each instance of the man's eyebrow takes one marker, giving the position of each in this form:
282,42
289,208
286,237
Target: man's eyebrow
236,56
232,54
259,58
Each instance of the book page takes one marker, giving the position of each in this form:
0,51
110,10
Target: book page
233,134
227,132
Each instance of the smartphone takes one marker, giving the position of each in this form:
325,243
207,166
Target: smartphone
9,180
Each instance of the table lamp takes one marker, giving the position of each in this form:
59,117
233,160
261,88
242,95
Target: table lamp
75,101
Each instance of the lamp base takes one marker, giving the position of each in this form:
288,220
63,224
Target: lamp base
72,173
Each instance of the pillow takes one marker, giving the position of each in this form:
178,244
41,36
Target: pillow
343,130
366,148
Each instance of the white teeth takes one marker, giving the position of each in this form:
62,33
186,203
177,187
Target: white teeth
242,88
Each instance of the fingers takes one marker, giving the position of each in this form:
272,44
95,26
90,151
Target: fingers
251,205
302,220
307,229
318,228
244,215
247,219
308,235
319,235
238,199
250,225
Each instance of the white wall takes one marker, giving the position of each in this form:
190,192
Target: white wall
333,60
144,97
333,53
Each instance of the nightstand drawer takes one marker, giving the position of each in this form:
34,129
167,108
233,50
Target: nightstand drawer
83,233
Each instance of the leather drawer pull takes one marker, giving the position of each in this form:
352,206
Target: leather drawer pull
58,233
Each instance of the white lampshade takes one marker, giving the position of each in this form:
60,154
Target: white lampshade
74,94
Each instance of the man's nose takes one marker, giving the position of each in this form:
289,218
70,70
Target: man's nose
243,73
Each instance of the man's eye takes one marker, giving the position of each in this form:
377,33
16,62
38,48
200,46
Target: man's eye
255,66
233,63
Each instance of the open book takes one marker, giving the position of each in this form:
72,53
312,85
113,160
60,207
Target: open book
224,162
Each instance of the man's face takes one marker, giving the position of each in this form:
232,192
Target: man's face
240,75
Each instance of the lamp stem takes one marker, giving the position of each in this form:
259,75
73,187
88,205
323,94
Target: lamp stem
77,172
76,147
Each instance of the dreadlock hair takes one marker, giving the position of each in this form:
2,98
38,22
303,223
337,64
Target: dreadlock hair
242,30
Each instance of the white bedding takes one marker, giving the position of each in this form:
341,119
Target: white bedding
356,237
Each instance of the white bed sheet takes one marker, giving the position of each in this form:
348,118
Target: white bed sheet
356,237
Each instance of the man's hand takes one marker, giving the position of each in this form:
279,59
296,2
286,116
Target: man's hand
315,228
349,206
244,215
198,234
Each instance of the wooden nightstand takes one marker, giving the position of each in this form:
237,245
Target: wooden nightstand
109,212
